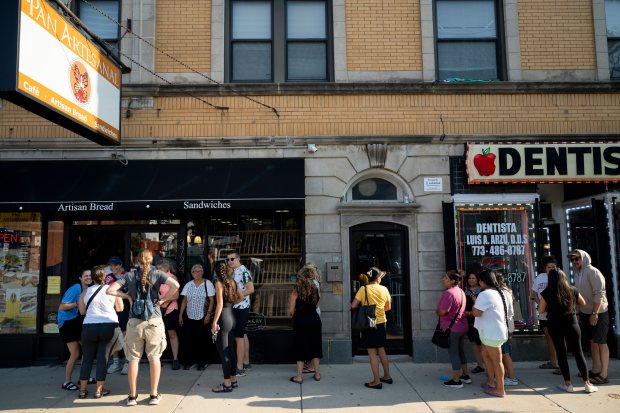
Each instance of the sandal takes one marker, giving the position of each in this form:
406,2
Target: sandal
103,392
317,377
308,370
548,366
294,380
221,388
71,386
234,384
83,394
492,392
599,380
557,372
478,369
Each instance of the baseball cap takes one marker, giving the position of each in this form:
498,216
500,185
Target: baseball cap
574,253
115,260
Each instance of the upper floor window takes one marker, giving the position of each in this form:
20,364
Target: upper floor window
98,23
612,18
468,40
278,41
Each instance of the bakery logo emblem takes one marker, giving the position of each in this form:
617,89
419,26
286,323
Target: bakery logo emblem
80,83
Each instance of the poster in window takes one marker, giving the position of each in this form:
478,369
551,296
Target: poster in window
19,275
500,238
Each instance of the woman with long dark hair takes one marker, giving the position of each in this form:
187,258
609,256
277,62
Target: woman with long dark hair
306,323
223,326
491,312
472,289
560,300
374,339
451,312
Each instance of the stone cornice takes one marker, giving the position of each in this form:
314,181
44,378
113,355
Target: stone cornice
377,209
412,88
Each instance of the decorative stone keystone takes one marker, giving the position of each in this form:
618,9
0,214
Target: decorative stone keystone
377,152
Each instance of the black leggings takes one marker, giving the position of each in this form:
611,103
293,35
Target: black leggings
97,341
226,341
196,341
568,335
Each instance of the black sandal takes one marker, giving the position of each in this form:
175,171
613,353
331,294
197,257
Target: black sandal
103,392
221,388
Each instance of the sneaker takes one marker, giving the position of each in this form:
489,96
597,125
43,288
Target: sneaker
247,366
125,368
241,372
114,367
566,388
202,367
153,400
590,388
453,384
511,382
466,379
132,400
176,365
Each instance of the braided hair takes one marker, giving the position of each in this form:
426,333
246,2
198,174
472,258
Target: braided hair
489,278
145,259
230,286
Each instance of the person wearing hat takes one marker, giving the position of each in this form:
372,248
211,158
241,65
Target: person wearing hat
115,265
374,339
593,316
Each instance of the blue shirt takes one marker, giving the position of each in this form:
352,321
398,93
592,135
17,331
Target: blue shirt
72,295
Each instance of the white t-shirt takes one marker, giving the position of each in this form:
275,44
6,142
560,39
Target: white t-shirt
196,298
101,308
492,323
539,285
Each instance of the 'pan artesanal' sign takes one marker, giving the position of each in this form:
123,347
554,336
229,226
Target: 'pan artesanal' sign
542,162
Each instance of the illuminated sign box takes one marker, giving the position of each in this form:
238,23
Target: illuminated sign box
543,162
50,68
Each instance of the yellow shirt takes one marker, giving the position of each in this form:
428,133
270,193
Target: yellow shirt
377,294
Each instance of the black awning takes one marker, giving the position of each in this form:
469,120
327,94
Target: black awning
75,186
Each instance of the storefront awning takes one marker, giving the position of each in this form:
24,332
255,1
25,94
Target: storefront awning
76,186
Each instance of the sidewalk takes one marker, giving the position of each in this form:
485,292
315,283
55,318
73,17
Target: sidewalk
266,388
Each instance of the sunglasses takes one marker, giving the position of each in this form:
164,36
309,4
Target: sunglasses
575,259
231,259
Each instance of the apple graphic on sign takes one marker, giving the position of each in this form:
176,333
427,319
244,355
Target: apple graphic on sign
485,162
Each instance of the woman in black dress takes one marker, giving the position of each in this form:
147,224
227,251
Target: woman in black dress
306,323
223,326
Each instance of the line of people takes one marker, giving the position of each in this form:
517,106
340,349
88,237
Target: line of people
138,307
487,320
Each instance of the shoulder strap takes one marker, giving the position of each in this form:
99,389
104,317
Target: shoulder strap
457,311
365,296
92,296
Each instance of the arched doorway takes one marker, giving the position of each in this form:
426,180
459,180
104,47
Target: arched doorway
384,245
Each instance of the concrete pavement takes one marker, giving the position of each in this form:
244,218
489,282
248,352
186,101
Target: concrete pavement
266,388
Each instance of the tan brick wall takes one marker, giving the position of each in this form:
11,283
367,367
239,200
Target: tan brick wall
383,35
366,115
183,30
556,34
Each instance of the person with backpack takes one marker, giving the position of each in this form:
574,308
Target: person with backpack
145,329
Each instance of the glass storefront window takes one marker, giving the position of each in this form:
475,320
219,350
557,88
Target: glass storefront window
501,238
580,231
53,268
20,252
270,245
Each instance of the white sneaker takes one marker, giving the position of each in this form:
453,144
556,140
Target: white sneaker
566,388
590,388
114,367
511,382
125,368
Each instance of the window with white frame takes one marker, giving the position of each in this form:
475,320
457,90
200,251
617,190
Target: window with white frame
93,15
468,40
278,41
612,19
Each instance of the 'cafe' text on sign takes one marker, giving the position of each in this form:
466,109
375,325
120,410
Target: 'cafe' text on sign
541,162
